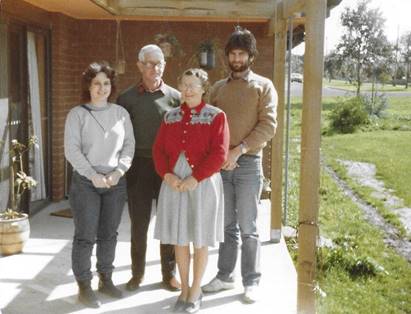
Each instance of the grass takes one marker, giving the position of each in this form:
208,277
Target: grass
366,194
387,291
390,151
365,86
387,146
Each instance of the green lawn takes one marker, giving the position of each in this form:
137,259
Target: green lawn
365,86
387,147
388,291
390,151
400,107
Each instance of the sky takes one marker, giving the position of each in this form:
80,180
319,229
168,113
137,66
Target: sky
396,13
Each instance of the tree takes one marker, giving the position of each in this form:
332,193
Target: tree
363,42
405,46
332,65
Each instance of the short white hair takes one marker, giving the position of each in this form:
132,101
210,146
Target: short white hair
150,49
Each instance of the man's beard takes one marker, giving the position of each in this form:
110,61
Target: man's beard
241,68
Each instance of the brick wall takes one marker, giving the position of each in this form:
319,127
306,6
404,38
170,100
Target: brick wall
76,43
66,69
98,42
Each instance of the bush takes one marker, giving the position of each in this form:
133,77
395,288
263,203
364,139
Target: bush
344,257
376,106
348,116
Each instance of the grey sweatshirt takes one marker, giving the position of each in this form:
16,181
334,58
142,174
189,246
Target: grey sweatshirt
100,140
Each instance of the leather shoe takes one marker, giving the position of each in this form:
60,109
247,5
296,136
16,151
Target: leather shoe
133,284
106,286
170,287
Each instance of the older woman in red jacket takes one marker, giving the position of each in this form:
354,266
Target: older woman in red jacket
189,150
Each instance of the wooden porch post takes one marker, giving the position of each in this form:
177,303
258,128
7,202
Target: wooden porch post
277,141
315,11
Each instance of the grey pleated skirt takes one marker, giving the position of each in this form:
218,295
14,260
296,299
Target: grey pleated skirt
194,216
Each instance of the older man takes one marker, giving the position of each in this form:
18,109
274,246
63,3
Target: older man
146,102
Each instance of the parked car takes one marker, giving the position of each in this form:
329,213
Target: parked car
296,77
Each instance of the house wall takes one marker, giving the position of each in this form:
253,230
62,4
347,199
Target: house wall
76,43
66,72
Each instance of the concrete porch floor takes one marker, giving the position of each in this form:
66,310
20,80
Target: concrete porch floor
40,279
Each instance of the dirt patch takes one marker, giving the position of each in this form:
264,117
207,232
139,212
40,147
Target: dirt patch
365,174
391,238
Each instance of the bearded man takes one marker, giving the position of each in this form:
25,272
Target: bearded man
250,102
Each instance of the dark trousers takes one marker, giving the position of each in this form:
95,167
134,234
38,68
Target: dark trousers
96,215
143,185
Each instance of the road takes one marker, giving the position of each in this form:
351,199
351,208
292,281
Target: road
297,91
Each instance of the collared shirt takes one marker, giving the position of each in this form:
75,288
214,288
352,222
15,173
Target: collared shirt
245,76
146,109
142,88
201,133
250,104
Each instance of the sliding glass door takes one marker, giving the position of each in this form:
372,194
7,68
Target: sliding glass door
28,104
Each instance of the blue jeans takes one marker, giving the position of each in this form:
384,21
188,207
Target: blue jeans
242,191
96,215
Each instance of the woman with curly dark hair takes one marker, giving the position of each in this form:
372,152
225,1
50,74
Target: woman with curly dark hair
99,144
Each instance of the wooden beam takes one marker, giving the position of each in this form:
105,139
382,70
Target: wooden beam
277,151
315,11
274,24
113,5
231,9
292,6
159,18
107,5
283,10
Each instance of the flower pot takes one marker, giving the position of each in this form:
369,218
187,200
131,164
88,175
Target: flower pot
13,234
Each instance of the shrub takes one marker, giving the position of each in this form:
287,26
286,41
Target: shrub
348,116
375,106
344,257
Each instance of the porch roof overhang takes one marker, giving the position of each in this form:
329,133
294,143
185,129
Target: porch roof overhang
267,12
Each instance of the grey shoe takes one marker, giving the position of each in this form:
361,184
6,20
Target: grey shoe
86,295
180,306
106,286
217,285
194,307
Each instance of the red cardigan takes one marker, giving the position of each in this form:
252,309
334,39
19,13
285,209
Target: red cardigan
200,132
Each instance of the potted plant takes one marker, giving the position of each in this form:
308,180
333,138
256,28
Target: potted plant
169,44
14,224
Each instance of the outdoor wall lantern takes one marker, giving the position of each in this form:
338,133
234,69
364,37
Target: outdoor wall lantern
207,55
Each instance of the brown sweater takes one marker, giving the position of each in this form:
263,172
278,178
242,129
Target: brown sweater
250,104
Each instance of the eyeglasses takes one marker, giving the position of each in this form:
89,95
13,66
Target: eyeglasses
189,87
152,65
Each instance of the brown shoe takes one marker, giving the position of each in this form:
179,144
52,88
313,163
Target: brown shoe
171,285
86,295
133,284
106,286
